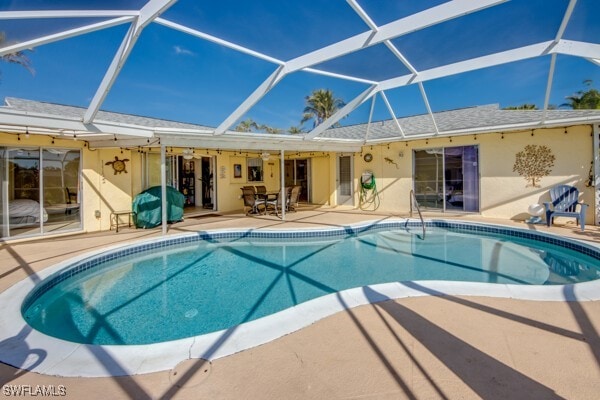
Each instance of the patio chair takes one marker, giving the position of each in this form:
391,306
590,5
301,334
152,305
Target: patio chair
293,199
565,200
261,189
72,204
276,204
250,200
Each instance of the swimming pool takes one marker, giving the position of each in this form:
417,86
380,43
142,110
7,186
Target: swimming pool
29,349
187,286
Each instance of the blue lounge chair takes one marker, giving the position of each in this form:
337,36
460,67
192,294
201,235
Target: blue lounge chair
565,200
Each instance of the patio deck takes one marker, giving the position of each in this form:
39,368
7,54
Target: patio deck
427,347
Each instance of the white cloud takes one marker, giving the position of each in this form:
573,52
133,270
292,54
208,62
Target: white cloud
180,50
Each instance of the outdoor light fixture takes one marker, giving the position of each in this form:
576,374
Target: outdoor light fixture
265,156
188,154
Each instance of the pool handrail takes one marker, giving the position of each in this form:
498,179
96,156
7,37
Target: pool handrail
413,199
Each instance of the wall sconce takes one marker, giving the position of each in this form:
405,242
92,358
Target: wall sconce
265,156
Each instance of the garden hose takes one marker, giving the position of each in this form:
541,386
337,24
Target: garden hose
368,192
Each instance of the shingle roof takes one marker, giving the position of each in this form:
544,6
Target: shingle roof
466,120
78,113
473,119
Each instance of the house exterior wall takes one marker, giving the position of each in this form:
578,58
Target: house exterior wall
322,175
104,190
503,192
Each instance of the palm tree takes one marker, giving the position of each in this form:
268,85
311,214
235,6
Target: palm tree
320,105
270,129
295,129
588,99
246,125
525,106
17,57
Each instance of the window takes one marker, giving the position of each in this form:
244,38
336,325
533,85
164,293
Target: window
255,169
447,178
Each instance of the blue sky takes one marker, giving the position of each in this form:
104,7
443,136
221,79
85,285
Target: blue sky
175,76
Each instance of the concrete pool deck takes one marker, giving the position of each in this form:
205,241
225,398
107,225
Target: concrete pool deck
426,347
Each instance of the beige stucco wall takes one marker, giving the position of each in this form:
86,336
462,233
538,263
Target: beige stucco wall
104,190
322,176
503,193
507,195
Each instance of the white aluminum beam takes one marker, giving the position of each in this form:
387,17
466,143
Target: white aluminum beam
394,29
402,26
557,38
63,35
371,24
21,118
341,113
391,111
370,118
258,93
579,49
521,53
147,14
163,188
426,101
339,76
67,14
235,143
216,40
549,86
565,20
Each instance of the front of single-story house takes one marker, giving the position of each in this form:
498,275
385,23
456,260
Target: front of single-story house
61,175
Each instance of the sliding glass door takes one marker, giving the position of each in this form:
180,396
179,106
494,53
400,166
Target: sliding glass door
447,178
40,190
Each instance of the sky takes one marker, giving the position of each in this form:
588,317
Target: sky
175,76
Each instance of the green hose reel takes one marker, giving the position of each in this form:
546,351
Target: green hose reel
368,191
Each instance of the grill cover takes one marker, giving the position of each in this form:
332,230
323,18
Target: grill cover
148,207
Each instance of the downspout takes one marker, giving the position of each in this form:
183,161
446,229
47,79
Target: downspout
282,177
596,177
163,187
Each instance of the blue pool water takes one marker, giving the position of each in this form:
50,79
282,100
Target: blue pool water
163,292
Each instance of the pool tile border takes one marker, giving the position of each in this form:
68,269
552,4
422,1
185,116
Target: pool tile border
461,227
72,359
